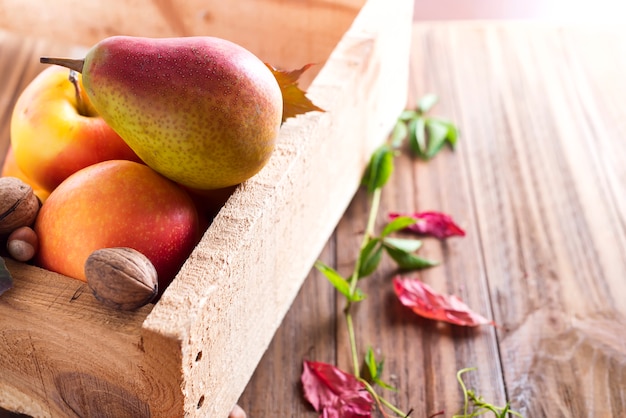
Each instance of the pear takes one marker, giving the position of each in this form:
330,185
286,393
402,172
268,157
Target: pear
203,111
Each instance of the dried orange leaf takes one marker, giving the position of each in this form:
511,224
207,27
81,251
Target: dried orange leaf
295,101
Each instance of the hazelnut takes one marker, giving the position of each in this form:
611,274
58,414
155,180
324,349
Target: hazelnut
23,244
18,204
121,277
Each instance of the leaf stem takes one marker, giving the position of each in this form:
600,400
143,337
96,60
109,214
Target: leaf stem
375,204
395,410
352,337
500,412
369,231
383,401
463,387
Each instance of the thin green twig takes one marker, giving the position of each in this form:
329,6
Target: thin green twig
479,402
369,231
352,337
380,400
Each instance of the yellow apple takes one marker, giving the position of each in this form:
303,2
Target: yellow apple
116,203
55,131
10,169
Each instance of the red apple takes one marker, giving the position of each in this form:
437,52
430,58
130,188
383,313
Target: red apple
55,131
116,204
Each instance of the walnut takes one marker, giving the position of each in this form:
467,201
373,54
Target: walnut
121,278
18,205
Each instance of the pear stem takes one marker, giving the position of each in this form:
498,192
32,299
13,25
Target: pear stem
71,63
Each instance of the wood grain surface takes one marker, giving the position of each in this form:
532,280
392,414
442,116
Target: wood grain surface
538,181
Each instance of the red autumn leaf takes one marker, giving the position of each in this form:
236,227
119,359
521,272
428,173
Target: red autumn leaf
426,302
295,101
335,393
431,223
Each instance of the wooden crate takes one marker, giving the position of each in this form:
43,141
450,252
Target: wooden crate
192,353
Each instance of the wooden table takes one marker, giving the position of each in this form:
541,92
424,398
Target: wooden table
538,181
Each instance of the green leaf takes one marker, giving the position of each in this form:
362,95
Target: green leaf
453,133
417,137
370,257
397,224
426,103
408,115
375,369
357,296
379,169
370,362
408,261
399,134
437,136
383,384
408,245
341,284
6,280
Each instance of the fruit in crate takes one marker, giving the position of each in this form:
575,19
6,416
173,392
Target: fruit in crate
55,130
116,203
202,111
121,278
10,169
19,205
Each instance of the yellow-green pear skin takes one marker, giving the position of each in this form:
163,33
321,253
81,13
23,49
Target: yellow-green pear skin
202,111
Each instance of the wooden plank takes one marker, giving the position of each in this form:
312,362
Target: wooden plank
49,369
550,227
538,181
307,332
542,212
